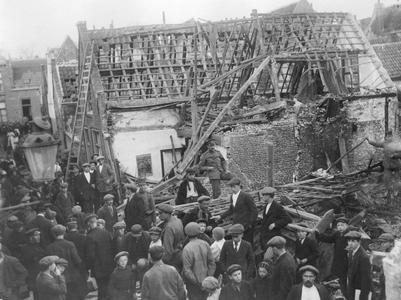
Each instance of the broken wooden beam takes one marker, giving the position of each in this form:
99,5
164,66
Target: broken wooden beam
349,151
343,151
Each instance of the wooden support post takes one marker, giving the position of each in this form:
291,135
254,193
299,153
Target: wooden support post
273,72
190,155
352,149
194,105
386,116
172,146
343,150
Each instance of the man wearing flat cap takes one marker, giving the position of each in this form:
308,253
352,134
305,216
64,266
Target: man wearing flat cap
134,212
308,289
238,288
118,236
190,189
283,277
201,211
171,236
237,251
161,281
67,250
86,189
145,199
44,225
73,179
65,200
359,269
213,162
274,217
108,212
242,208
50,282
136,243
31,254
99,256
104,177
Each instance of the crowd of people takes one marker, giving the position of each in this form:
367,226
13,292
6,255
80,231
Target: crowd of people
74,236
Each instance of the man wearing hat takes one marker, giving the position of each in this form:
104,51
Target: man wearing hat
50,282
339,266
201,211
213,163
142,196
360,284
108,212
242,208
99,255
308,287
78,216
9,228
79,240
66,249
190,189
161,281
283,277
136,243
132,211
386,241
237,251
73,181
44,225
31,254
65,200
118,236
274,217
104,177
172,235
47,202
13,276
198,263
238,288
86,189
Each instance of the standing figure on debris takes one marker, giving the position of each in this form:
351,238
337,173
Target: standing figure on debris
104,177
86,189
274,217
213,162
308,289
242,208
190,189
339,266
200,212
147,198
360,284
391,164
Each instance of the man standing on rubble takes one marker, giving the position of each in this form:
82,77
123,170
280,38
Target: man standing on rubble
213,162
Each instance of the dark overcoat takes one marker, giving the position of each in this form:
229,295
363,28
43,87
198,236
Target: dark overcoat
283,277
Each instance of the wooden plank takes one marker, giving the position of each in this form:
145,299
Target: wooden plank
302,214
212,126
343,150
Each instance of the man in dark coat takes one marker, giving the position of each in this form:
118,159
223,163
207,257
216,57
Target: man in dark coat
274,217
12,276
73,182
45,227
65,249
306,251
283,277
50,282
79,240
31,254
104,177
359,269
136,243
135,211
200,212
308,286
51,207
242,208
99,255
339,266
190,189
237,251
108,212
86,189
16,239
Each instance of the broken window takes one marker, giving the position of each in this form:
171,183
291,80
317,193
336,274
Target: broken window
144,165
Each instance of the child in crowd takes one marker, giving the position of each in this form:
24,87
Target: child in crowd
218,237
202,235
212,286
122,282
101,223
236,289
261,283
155,233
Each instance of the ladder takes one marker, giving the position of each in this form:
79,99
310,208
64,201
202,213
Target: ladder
80,112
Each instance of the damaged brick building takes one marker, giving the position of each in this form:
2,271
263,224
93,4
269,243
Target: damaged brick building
302,86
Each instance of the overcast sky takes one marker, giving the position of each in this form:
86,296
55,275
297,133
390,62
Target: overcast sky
36,25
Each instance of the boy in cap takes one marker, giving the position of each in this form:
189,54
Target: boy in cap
155,233
136,243
65,200
309,287
339,267
66,250
242,208
161,281
261,283
108,212
118,236
212,286
283,277
360,284
44,225
50,283
198,263
190,189
237,289
213,162
61,264
237,251
101,223
218,237
202,236
147,199
122,283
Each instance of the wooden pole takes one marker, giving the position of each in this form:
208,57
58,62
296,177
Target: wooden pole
172,146
19,206
194,105
349,151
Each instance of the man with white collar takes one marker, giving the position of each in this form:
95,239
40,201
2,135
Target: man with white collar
104,177
283,277
308,289
360,284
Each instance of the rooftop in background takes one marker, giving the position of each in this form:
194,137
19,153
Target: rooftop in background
28,73
302,6
390,55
